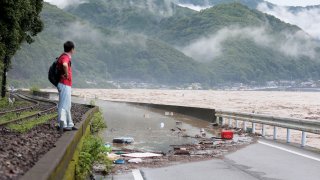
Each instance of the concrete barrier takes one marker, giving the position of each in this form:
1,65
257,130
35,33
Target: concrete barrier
197,112
53,164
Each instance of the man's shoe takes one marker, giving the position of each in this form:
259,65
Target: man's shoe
67,129
74,128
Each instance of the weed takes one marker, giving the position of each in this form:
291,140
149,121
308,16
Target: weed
27,125
93,150
4,102
14,115
97,123
34,89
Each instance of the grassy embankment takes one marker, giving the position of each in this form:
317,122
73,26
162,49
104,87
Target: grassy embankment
90,150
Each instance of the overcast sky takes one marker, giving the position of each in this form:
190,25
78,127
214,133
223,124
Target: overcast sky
295,2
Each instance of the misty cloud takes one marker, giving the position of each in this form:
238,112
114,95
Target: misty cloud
167,10
298,44
194,7
82,32
137,40
307,19
65,3
208,48
79,31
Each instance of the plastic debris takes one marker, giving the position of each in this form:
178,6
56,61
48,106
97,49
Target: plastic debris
123,140
226,134
202,132
249,130
113,156
107,145
214,124
120,152
142,155
162,125
135,160
168,113
182,152
119,161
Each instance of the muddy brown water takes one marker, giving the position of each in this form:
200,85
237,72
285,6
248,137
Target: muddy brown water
152,129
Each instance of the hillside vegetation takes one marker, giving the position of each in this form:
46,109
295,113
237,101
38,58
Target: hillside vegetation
167,44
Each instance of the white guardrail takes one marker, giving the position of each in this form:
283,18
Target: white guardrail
304,125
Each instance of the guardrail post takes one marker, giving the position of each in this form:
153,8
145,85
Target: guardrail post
263,130
288,136
237,124
253,128
230,122
217,120
245,126
222,122
275,133
303,139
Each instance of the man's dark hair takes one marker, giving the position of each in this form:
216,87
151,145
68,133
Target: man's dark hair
68,46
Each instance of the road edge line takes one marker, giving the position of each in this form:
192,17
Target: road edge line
290,151
137,174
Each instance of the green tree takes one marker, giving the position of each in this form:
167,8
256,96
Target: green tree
19,22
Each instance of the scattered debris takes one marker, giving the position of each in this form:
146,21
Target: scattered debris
135,160
119,161
168,113
99,168
113,156
107,145
201,149
214,124
123,140
142,155
181,152
249,130
202,132
226,134
162,125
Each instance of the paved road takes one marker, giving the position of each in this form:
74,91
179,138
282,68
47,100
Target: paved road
264,160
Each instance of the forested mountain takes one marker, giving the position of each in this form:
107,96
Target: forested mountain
250,3
161,42
101,55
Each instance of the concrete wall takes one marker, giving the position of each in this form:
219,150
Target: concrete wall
201,113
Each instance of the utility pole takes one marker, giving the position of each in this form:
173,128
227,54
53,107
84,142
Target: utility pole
4,76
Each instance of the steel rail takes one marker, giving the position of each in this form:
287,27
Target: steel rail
34,114
36,103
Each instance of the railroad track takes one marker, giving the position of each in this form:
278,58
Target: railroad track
35,104
45,106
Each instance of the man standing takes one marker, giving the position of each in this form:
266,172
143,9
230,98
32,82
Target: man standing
64,88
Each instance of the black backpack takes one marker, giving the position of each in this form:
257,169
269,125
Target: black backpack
54,73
